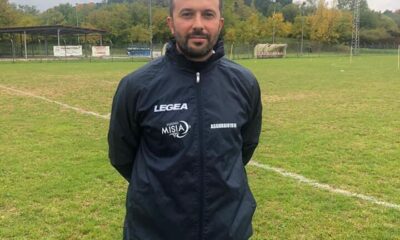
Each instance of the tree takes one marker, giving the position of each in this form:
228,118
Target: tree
369,19
115,19
277,23
274,8
311,5
68,11
394,15
230,35
52,17
348,5
388,23
83,11
248,2
284,2
8,16
27,19
26,15
161,32
300,26
262,6
290,12
139,33
241,10
115,1
231,18
324,24
343,26
247,21
250,30
377,35
27,9
266,6
139,13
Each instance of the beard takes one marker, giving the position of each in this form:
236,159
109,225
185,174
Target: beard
196,52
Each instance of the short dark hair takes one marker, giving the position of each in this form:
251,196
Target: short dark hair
171,7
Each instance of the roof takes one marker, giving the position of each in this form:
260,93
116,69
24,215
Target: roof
52,30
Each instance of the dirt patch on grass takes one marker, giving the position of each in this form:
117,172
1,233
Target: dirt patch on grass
8,212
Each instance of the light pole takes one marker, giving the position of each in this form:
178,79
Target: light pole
65,49
111,44
273,23
151,30
76,15
398,57
40,48
302,28
12,49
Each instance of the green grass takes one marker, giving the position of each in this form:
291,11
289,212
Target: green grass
326,119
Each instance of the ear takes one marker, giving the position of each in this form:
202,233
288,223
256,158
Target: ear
170,22
221,23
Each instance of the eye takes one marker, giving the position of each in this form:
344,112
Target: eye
209,14
186,14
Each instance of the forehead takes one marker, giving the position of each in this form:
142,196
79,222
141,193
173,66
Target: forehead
196,5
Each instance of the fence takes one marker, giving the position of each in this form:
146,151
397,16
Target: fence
310,48
39,49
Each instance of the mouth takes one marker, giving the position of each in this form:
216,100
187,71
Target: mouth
198,39
198,36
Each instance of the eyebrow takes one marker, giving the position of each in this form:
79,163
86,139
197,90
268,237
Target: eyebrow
192,10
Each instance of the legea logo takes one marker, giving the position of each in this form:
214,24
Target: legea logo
176,129
170,107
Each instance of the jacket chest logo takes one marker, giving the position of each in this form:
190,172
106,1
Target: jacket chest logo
223,125
170,107
176,129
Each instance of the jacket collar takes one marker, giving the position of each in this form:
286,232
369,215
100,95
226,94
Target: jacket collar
180,60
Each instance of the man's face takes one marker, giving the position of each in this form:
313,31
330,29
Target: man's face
196,25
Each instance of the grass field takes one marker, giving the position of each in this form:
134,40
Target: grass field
324,119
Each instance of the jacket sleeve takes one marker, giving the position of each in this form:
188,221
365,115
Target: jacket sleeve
124,133
252,129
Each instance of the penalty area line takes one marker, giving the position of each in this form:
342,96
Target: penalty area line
79,110
326,187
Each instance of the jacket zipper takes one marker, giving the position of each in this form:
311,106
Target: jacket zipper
200,118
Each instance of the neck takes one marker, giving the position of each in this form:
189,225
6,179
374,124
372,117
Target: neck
198,59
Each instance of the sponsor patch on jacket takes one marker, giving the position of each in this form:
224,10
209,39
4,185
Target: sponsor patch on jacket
176,129
223,125
170,107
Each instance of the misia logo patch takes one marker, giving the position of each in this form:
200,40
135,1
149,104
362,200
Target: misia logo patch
176,129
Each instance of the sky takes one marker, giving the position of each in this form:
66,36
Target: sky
46,4
382,5
378,5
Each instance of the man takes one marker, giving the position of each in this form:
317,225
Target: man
182,129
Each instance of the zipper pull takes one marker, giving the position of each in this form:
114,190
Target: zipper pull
197,77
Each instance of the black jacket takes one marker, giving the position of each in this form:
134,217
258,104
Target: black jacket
181,133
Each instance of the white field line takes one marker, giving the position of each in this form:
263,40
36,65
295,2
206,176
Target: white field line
280,171
79,110
326,187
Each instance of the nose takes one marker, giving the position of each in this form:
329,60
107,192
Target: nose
198,23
